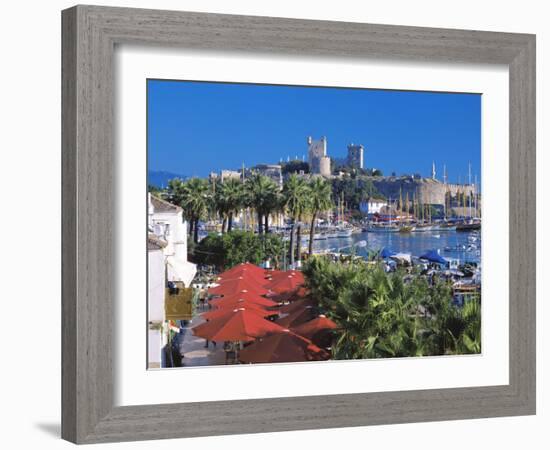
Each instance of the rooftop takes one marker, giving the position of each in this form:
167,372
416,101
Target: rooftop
163,206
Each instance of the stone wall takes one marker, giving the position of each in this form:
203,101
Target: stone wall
426,190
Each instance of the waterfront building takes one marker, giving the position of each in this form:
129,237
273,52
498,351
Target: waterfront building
227,174
372,206
355,155
319,162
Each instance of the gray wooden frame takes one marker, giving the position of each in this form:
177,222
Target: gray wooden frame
89,37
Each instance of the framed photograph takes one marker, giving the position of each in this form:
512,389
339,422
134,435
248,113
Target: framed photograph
277,224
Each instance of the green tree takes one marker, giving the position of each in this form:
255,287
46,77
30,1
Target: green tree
262,195
380,316
353,189
235,247
295,195
155,190
470,339
320,201
230,199
194,197
294,166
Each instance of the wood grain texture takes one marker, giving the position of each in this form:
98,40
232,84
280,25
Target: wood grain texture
89,36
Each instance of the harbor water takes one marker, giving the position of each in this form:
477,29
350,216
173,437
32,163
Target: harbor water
464,246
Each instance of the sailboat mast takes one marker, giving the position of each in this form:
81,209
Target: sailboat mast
475,196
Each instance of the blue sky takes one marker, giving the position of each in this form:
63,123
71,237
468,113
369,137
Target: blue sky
195,127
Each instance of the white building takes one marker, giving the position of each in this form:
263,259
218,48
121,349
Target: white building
166,222
372,205
228,174
156,287
167,262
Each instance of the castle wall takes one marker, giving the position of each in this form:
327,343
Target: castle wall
426,190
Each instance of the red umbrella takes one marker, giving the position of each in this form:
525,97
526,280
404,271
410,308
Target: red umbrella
283,274
238,285
285,284
242,325
311,328
296,318
245,271
282,347
290,296
246,295
248,276
239,268
227,312
235,301
270,274
297,305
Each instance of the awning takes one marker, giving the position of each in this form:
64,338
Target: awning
386,253
179,305
179,270
402,257
433,256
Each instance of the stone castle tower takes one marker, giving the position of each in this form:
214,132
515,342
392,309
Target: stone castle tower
319,162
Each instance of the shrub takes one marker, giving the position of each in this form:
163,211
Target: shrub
380,316
235,247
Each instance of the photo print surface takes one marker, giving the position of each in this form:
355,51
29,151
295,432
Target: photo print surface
294,224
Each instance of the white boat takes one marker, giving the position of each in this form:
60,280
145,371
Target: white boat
423,228
446,227
383,229
344,233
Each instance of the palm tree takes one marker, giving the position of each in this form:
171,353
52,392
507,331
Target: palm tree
470,338
194,197
320,200
295,194
380,316
177,194
219,204
272,204
262,196
229,200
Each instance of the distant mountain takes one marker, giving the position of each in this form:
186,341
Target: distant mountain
160,178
